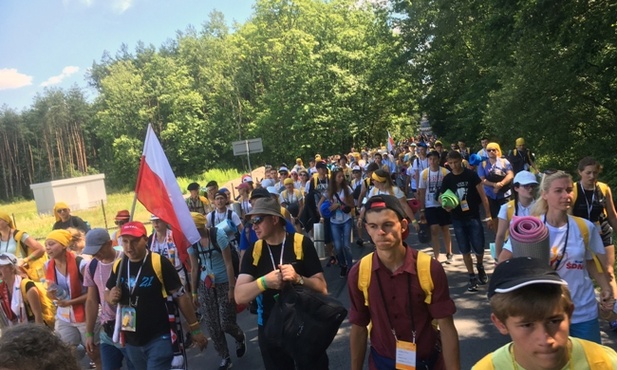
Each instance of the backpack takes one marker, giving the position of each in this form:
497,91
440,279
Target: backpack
34,266
48,308
292,207
425,171
298,239
599,185
156,266
582,226
597,358
235,258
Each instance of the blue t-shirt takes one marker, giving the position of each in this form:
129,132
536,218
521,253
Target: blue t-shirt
212,262
501,168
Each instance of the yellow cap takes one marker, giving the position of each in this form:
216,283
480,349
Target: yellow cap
520,141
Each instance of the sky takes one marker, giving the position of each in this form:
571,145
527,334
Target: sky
52,43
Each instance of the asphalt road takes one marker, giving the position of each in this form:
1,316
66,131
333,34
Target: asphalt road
477,335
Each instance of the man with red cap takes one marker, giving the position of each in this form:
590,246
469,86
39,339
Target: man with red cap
145,281
402,334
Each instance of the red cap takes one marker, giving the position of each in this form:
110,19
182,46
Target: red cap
134,228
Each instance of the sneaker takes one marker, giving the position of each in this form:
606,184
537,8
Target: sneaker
473,285
92,365
613,325
449,258
241,346
225,364
482,275
343,272
332,261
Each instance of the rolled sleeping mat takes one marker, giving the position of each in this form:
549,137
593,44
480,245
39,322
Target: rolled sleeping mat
529,237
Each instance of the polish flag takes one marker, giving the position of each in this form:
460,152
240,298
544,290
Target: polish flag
158,190
390,143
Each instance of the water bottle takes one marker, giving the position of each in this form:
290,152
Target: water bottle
60,292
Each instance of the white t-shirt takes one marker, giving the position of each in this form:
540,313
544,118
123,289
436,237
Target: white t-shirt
396,192
222,216
163,248
340,217
290,197
431,181
572,267
418,165
522,211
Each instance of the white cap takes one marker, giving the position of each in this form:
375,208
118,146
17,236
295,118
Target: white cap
356,168
525,178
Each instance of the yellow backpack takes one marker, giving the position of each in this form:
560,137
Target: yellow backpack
298,239
423,267
156,265
603,189
47,306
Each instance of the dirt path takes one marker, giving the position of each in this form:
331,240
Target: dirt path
258,173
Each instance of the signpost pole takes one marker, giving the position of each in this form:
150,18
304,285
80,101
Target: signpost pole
248,156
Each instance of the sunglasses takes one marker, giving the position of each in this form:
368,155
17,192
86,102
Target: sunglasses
257,220
303,175
529,186
63,210
120,222
491,150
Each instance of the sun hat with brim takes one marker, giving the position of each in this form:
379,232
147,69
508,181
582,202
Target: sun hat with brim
449,199
134,228
266,206
519,272
123,215
7,259
95,239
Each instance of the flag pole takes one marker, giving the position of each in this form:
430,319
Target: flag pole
141,160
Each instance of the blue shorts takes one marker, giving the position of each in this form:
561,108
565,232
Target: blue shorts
469,235
588,330
437,216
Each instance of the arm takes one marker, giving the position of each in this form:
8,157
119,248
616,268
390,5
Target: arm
357,343
601,279
487,209
92,311
502,227
195,276
186,307
610,209
316,282
450,344
504,255
229,268
35,304
409,213
35,247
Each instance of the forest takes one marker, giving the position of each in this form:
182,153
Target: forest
315,76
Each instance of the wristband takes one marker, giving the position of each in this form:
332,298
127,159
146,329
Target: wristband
89,335
263,281
194,294
196,323
260,285
487,219
196,331
414,222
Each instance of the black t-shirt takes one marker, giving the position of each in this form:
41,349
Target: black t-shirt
152,320
464,186
73,221
308,266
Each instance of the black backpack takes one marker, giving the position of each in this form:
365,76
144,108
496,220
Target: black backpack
201,252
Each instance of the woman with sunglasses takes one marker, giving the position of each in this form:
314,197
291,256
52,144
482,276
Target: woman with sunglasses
496,175
28,251
20,299
523,194
570,256
593,200
64,219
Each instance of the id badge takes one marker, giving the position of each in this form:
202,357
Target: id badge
464,205
405,355
129,318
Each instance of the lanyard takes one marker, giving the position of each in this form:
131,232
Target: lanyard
128,273
409,303
429,180
589,205
272,257
565,245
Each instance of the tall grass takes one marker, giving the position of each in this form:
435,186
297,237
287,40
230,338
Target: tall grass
39,225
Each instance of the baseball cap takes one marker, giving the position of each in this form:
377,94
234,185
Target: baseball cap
247,178
525,178
220,193
432,153
283,169
243,185
438,142
288,181
154,217
193,186
95,239
260,193
385,201
321,164
356,168
7,259
133,228
422,144
519,272
267,182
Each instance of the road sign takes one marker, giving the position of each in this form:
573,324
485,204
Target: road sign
247,146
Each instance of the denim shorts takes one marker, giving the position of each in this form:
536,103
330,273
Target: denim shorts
469,235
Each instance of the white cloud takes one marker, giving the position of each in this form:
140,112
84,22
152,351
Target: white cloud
120,6
66,72
11,79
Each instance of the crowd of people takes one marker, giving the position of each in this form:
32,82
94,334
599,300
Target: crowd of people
130,298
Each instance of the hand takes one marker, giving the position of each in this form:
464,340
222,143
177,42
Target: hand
90,346
21,262
195,302
274,279
115,294
448,209
491,224
288,273
63,303
416,225
230,295
201,340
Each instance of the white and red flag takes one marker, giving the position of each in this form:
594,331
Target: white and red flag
390,143
158,190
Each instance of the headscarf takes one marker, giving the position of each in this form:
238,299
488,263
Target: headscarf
494,146
5,216
378,178
63,237
57,206
199,220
